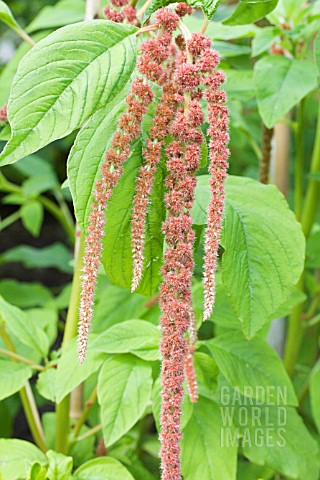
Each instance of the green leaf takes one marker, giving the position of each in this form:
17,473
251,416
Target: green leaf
227,49
315,397
114,305
280,441
203,457
264,39
37,472
25,295
60,466
17,456
279,87
117,250
7,17
32,217
46,384
19,324
264,248
312,249
102,469
62,13
218,31
250,11
48,103
252,367
12,377
264,251
208,7
56,255
124,390
133,336
70,373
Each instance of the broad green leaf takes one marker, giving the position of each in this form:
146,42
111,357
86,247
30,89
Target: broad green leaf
70,373
41,183
239,84
7,17
17,456
114,305
117,250
60,466
46,319
133,336
253,368
58,15
207,373
32,217
56,255
46,384
48,103
25,295
264,251
264,39
227,49
20,325
124,391
264,248
279,87
315,397
218,31
12,377
102,469
203,457
280,441
208,7
250,11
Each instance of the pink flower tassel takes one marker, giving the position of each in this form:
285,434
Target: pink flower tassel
155,53
191,375
129,128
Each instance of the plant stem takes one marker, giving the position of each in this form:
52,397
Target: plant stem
299,166
90,432
265,157
10,220
63,408
58,213
295,329
21,359
25,37
28,401
85,412
143,9
205,24
312,197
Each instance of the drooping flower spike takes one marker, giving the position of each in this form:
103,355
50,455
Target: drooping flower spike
152,64
128,130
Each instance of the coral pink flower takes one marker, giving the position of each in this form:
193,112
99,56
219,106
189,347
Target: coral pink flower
128,130
3,114
191,375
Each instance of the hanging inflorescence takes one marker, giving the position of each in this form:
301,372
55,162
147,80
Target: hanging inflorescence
184,67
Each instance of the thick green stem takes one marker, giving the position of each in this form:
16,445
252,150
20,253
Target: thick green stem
63,408
299,166
295,329
28,402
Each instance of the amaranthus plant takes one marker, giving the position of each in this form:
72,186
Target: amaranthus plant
152,353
